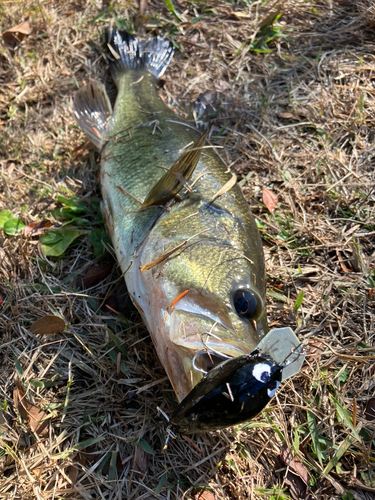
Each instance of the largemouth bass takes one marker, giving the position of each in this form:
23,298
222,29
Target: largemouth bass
182,231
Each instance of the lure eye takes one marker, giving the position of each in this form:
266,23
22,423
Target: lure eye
245,303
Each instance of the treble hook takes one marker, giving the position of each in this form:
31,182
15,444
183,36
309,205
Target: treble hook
207,351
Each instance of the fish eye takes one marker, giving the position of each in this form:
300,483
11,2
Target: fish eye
245,303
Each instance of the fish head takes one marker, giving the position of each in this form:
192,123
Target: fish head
202,305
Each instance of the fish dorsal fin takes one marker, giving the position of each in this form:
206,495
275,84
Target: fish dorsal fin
92,110
173,181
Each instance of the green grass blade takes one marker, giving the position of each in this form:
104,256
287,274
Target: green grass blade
311,422
87,443
274,426
299,300
171,8
344,446
344,417
160,485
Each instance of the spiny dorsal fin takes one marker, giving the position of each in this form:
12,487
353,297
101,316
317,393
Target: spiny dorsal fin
92,110
170,184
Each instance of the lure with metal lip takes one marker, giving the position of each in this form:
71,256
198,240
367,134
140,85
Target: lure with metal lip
239,388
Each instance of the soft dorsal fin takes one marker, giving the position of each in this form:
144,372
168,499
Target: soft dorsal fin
92,110
173,181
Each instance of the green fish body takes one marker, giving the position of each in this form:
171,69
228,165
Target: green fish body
193,263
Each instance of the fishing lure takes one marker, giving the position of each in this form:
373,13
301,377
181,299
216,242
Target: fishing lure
237,389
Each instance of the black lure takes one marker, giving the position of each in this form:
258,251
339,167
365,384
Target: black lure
234,392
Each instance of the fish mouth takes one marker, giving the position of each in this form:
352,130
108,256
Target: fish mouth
203,340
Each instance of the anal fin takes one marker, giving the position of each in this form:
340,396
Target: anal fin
173,181
92,110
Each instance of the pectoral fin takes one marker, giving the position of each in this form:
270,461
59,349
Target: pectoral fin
92,110
173,181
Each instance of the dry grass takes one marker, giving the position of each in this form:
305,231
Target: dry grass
298,120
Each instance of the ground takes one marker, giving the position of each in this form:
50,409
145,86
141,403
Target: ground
295,87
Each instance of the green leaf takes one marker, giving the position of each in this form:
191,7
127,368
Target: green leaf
52,238
362,345
103,463
275,428
342,375
88,442
19,368
160,485
13,226
344,446
344,416
113,355
112,466
146,447
299,300
273,491
277,296
4,216
311,422
73,203
252,425
54,243
347,496
66,402
171,8
117,342
99,239
37,383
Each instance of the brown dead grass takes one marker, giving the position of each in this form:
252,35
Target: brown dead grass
299,121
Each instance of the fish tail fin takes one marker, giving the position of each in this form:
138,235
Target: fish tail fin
126,52
92,110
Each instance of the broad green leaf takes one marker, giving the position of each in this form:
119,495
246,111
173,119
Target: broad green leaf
13,226
4,216
311,422
52,237
54,243
146,447
299,300
37,383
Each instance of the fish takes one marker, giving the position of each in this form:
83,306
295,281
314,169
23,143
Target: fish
184,236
